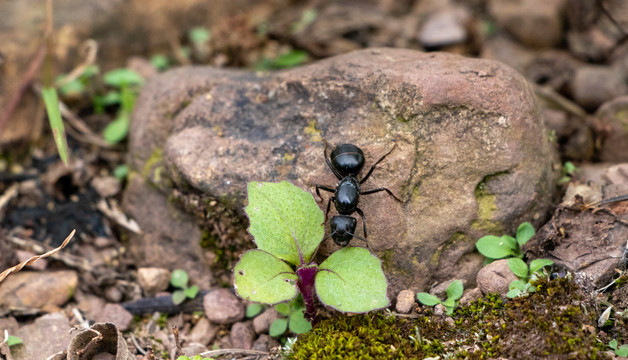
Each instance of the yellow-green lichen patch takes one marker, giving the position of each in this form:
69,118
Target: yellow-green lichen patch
487,207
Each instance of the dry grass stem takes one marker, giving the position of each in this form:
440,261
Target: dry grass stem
21,265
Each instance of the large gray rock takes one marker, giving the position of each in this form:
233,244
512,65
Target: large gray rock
472,153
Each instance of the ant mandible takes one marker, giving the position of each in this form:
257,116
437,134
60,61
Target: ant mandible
346,162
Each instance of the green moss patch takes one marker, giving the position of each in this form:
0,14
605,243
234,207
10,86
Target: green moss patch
551,323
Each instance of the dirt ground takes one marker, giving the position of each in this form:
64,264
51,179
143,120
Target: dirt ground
575,52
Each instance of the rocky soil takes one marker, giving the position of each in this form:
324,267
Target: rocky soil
482,102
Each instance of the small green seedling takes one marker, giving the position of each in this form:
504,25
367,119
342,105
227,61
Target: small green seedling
454,293
294,319
288,228
568,170
14,340
179,279
78,85
126,83
494,247
526,275
619,351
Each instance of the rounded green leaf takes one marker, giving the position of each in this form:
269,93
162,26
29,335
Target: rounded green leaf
278,327
517,284
513,293
117,130
518,267
455,290
297,322
427,299
253,310
494,247
449,303
538,264
179,278
262,277
14,340
191,292
352,280
284,219
524,233
283,308
178,297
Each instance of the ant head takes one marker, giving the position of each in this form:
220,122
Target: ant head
347,159
342,229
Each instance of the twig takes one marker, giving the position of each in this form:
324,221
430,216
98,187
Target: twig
219,352
9,194
91,47
21,265
175,331
91,345
28,77
112,211
138,347
68,259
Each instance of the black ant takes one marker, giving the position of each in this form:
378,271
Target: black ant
346,162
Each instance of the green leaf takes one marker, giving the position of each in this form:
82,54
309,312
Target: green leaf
51,100
513,293
622,351
613,344
278,327
524,233
262,277
449,303
253,310
178,297
455,290
517,284
191,292
283,308
14,340
282,216
199,35
352,280
117,130
427,299
450,310
538,264
179,278
297,322
494,247
518,267
122,77
160,62
121,171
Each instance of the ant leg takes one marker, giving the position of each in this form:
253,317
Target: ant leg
363,239
329,163
377,162
378,190
321,187
363,221
328,205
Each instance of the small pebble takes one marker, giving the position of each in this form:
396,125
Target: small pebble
262,322
242,335
405,301
223,307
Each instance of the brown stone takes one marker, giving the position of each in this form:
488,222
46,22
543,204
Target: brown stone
495,277
536,23
242,335
472,153
613,116
223,307
38,289
153,280
115,313
405,301
262,322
